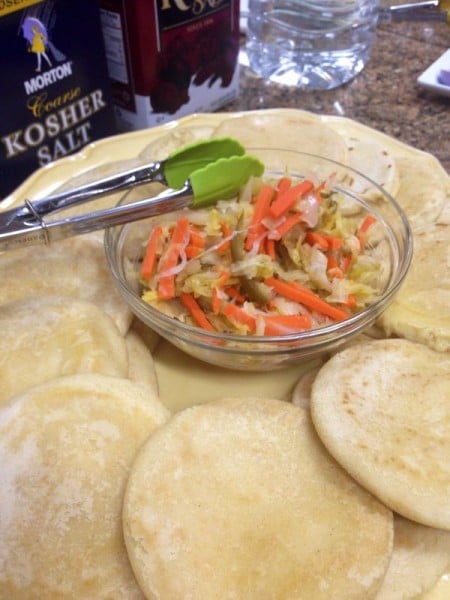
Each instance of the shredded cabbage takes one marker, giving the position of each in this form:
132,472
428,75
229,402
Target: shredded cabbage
228,261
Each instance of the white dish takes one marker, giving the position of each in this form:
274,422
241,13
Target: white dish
429,78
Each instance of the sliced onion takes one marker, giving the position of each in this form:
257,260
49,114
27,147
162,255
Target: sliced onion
176,269
260,327
289,307
254,250
309,207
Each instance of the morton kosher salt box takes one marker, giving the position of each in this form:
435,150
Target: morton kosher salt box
170,58
56,94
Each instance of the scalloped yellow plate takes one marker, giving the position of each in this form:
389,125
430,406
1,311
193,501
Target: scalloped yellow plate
127,147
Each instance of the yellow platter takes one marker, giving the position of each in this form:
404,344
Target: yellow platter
174,370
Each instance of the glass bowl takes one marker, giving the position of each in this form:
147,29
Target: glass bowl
124,246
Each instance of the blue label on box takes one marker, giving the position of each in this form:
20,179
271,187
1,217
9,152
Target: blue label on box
56,96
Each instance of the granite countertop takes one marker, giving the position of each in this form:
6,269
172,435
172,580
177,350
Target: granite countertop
384,96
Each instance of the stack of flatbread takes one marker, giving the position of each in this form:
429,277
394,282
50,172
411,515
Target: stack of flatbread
129,470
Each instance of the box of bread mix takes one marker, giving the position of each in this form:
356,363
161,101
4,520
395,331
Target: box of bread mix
170,58
56,95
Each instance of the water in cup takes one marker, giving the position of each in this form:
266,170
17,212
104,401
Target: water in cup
312,44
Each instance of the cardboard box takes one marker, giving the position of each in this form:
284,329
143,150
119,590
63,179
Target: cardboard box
57,95
170,58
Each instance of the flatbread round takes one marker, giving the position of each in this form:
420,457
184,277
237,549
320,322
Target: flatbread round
160,148
74,267
287,131
141,367
422,192
150,337
444,216
383,411
51,336
441,591
420,556
184,381
301,394
376,163
238,499
66,448
421,309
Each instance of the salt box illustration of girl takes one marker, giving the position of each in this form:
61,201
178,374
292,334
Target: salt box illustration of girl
38,46
35,32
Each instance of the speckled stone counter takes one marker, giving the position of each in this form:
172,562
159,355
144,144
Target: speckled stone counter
385,95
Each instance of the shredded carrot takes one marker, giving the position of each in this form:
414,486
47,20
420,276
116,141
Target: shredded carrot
196,238
149,262
279,324
335,273
367,222
351,301
195,311
224,276
333,268
261,210
334,242
313,238
284,183
346,262
227,233
298,293
192,251
216,300
364,227
235,313
332,262
289,223
234,292
166,288
262,204
286,200
270,248
325,241
178,239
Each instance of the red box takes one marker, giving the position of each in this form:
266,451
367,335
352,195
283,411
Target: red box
170,58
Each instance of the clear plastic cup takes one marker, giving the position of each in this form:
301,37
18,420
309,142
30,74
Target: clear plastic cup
311,44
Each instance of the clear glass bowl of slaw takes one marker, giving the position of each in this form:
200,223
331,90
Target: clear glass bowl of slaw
125,247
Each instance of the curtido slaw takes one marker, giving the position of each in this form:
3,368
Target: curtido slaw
286,255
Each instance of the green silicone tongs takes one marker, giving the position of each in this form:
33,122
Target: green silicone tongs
197,175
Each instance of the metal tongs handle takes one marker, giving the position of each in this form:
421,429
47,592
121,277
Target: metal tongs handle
427,10
85,193
172,171
42,232
196,175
